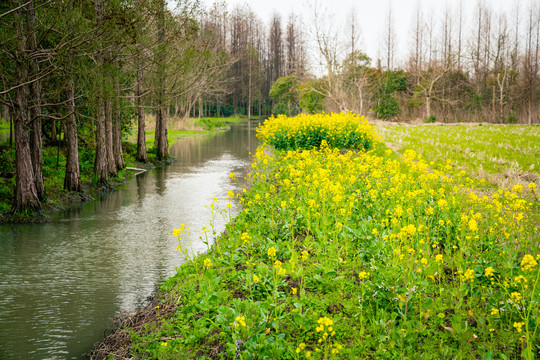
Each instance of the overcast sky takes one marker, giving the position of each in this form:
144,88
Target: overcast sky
372,14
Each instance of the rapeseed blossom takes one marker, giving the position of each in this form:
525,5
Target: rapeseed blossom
363,275
528,262
344,130
240,321
469,275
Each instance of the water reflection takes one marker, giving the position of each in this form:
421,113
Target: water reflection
61,282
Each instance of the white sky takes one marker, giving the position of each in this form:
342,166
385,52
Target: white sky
372,15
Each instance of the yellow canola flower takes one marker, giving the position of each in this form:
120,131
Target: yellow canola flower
176,232
489,271
207,263
306,131
272,251
240,321
515,296
518,326
363,275
473,226
528,262
469,275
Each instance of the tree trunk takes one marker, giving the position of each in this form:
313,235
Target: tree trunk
201,108
111,164
10,125
72,178
100,161
161,116
529,113
26,196
54,135
157,126
118,152
428,107
141,136
117,123
35,106
249,92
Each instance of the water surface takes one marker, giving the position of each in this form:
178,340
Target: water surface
60,283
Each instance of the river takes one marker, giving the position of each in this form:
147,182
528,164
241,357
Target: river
62,282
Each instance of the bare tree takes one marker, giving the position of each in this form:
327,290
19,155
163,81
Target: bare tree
460,35
417,40
530,67
275,49
390,38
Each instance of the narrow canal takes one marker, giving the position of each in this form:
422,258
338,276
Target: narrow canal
61,282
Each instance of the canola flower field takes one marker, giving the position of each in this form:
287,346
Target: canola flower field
355,252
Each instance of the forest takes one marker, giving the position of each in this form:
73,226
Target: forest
80,75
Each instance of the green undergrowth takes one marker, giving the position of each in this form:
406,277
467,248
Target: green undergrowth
4,126
54,162
339,254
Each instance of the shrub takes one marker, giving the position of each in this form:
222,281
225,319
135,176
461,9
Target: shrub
343,131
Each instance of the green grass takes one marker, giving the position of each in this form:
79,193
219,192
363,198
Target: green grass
180,128
348,255
4,126
503,155
172,136
4,130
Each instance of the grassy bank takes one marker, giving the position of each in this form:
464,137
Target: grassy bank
54,160
344,254
183,127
